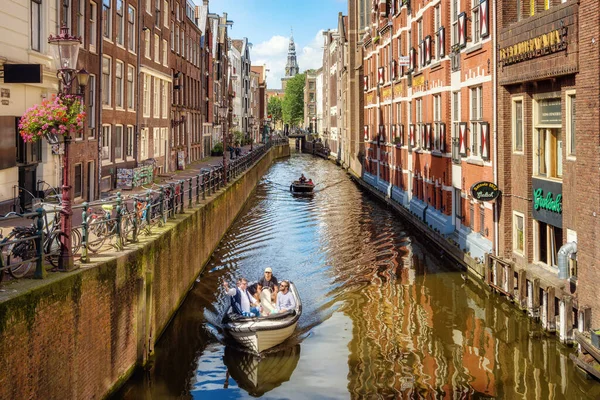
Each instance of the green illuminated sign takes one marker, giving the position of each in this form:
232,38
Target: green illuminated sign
549,202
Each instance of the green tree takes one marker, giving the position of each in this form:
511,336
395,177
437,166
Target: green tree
274,109
293,101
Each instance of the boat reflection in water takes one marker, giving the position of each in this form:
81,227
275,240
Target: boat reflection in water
259,374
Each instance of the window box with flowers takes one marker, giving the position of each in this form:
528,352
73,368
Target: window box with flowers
52,118
398,141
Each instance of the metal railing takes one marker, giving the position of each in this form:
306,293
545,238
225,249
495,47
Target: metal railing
115,222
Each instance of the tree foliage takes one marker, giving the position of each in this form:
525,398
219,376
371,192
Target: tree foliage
274,109
293,101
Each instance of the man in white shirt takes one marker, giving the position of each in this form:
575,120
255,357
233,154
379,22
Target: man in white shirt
241,302
285,299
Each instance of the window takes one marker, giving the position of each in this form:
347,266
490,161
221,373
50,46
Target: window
166,14
93,26
119,88
105,142
36,25
519,10
147,43
131,32
455,21
144,144
476,119
518,232
120,23
106,80
482,220
177,40
156,141
130,139
475,21
548,240
548,152
163,141
156,90
149,6
419,121
106,19
81,22
130,87
157,19
147,84
156,48
546,4
118,142
78,184
455,126
164,53
517,108
437,115
172,37
182,37
91,116
472,216
570,123
165,96
531,7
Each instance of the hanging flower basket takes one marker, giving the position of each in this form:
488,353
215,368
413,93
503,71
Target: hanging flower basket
52,118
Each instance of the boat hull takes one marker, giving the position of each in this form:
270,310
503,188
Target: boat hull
263,340
298,187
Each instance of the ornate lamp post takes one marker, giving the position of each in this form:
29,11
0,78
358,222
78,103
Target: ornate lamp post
66,50
223,109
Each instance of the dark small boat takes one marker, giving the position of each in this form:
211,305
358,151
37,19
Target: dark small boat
301,187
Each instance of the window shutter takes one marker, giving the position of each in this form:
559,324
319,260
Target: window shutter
429,141
462,138
411,135
422,52
381,137
366,83
428,49
412,59
393,71
380,75
462,29
401,135
484,19
394,131
443,137
441,42
485,140
366,132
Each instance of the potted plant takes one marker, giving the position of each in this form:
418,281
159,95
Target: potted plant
397,141
52,118
217,150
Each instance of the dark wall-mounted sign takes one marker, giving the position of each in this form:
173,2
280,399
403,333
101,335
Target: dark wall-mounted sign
547,201
536,47
485,191
23,73
549,112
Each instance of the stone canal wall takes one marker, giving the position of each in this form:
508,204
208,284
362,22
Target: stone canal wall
79,335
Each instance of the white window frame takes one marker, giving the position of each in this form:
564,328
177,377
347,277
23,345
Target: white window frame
515,101
164,90
81,21
455,115
165,58
107,22
130,142
91,115
131,31
147,90
475,120
131,87
454,20
119,143
166,14
156,142
93,26
156,49
571,133
475,33
437,120
120,85
149,6
147,44
120,21
516,215
559,171
163,141
144,144
106,149
156,92
419,121
36,25
107,83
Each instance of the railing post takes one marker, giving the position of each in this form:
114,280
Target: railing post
39,240
171,211
181,195
162,205
119,233
148,207
135,221
84,234
198,189
204,186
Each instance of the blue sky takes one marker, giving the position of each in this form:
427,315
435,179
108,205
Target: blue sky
267,24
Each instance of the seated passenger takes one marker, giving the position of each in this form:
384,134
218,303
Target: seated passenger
254,291
302,178
241,301
266,304
285,299
310,182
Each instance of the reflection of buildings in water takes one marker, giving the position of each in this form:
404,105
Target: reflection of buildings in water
259,375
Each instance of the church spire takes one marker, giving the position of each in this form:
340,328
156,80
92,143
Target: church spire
291,67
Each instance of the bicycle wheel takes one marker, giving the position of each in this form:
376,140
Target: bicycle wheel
52,248
97,236
75,240
22,255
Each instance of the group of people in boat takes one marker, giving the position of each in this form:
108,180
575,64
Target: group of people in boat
303,179
265,297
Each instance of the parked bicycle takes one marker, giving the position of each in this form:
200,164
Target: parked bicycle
103,226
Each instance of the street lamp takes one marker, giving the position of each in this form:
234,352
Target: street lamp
223,109
66,50
251,131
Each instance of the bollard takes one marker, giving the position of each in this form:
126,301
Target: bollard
162,205
84,234
118,218
198,189
39,240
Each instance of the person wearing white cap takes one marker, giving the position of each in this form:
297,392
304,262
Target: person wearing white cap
268,281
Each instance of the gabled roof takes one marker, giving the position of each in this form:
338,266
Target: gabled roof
238,44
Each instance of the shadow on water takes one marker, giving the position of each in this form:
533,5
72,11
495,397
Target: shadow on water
385,314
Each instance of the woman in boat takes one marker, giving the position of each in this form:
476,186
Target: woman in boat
266,304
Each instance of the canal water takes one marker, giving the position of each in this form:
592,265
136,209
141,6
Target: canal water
385,314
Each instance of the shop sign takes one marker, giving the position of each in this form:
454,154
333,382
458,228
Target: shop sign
485,191
549,111
547,201
538,46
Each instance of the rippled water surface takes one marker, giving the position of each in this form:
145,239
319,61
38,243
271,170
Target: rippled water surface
385,315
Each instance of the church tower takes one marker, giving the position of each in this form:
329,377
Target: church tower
291,67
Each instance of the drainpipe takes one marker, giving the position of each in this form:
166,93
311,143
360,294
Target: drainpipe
564,254
495,123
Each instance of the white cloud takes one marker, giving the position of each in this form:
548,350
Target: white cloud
274,51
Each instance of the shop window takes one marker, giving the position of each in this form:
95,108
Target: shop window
548,240
548,152
518,232
517,124
570,108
